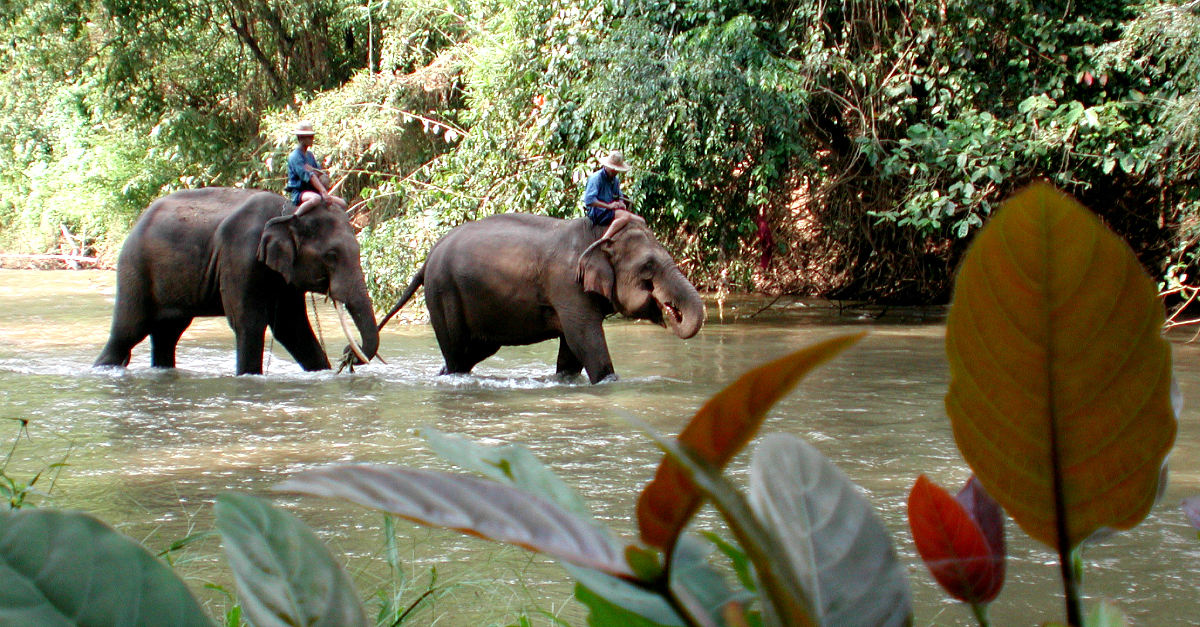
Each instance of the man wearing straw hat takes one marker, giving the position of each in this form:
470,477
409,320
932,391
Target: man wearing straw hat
307,183
602,198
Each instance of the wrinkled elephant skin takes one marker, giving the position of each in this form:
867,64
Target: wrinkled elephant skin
218,252
518,279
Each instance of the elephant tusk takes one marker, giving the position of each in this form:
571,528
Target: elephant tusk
346,329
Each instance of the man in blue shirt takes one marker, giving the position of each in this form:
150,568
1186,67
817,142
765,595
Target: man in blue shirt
603,201
307,183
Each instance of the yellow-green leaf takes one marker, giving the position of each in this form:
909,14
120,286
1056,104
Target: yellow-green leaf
1060,391
718,431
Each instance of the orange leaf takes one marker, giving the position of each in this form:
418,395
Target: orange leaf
1060,379
718,431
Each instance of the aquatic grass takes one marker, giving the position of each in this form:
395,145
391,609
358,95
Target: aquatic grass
16,492
397,590
408,594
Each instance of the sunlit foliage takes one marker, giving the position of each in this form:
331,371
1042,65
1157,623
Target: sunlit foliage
848,149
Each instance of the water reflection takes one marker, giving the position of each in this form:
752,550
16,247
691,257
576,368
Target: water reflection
149,450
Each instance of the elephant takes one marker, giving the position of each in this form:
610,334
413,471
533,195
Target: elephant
515,279
240,253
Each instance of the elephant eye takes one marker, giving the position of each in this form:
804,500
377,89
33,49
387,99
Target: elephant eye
647,270
331,256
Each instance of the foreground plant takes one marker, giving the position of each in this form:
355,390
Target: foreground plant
1060,398
961,540
804,569
1061,382
1061,402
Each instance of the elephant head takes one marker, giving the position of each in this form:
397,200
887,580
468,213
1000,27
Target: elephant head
637,275
318,252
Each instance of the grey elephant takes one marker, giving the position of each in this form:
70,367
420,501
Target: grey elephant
241,254
516,279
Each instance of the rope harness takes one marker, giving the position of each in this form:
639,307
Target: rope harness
320,335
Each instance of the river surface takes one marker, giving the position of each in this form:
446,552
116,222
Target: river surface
147,451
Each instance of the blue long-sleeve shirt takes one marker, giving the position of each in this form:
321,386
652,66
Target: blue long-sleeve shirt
604,188
298,175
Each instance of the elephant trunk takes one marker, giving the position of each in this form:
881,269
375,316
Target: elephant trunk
682,307
358,304
364,320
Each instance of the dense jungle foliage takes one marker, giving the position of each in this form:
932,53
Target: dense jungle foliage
848,149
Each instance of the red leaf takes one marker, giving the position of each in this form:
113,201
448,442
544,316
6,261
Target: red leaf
954,547
717,432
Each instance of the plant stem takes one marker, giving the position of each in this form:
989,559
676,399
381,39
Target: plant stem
1070,584
663,587
981,614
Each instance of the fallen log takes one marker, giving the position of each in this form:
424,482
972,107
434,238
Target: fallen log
49,257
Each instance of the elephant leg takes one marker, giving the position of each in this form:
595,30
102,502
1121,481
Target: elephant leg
130,325
250,342
120,344
450,329
587,343
569,364
164,336
248,318
460,351
291,327
461,354
471,355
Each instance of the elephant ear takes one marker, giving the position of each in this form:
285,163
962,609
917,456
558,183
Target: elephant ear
277,248
595,269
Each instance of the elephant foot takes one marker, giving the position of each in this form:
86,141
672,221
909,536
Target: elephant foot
608,378
569,377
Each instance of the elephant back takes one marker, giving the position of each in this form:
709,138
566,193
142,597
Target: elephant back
174,238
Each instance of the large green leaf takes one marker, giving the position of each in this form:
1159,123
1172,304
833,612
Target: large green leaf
718,431
285,574
615,593
693,576
512,464
692,571
67,569
1060,391
471,505
603,612
830,535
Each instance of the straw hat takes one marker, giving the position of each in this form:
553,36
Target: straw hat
615,160
305,129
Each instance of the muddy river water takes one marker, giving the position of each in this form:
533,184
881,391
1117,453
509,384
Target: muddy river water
147,451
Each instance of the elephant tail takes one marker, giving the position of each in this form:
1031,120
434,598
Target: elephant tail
417,281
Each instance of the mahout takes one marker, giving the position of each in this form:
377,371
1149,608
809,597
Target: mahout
242,254
516,279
